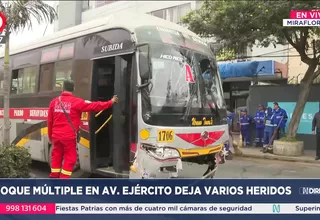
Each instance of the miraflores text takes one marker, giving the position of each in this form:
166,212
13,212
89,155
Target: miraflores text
301,22
139,190
159,208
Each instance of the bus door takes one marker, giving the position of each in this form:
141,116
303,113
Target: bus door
110,129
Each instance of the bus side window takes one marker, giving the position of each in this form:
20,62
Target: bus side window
29,79
46,77
16,82
62,71
24,80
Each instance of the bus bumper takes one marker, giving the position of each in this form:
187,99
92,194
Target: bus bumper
151,162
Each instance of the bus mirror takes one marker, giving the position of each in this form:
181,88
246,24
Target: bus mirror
144,61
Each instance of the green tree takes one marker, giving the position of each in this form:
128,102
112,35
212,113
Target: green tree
19,15
225,54
242,23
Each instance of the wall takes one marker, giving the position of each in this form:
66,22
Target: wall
296,67
280,50
286,93
69,14
72,13
136,6
56,22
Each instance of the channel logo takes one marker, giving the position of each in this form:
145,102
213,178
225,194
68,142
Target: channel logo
309,191
276,208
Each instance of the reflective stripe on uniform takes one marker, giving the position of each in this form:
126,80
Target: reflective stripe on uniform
271,125
66,172
53,170
244,123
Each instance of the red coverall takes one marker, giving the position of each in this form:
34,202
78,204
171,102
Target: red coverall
61,134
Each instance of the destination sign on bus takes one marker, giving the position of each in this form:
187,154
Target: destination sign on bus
201,121
170,36
50,55
55,53
66,51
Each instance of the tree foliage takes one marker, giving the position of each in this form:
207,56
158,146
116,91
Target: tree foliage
225,54
243,23
19,14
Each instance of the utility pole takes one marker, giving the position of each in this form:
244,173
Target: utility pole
6,92
4,39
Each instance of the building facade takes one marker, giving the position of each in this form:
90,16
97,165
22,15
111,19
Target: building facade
71,13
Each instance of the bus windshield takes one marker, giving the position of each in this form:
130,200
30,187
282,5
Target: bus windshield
185,88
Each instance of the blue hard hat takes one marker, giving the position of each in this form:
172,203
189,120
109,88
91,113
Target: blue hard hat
244,110
261,105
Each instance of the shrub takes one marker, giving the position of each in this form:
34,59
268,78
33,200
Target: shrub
14,162
288,139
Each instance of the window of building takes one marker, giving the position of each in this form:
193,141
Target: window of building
46,77
183,10
160,13
62,71
102,3
85,5
24,80
173,14
199,4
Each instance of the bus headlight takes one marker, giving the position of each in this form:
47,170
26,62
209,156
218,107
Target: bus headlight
161,152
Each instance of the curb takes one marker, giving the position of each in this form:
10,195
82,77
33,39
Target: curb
281,158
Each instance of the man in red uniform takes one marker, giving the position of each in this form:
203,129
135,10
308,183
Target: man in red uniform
62,134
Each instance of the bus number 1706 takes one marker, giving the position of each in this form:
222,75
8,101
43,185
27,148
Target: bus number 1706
165,136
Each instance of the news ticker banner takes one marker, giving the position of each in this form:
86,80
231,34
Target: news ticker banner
160,191
303,18
156,208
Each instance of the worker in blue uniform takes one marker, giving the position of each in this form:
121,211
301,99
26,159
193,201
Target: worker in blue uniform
270,126
229,119
259,120
281,118
228,144
245,121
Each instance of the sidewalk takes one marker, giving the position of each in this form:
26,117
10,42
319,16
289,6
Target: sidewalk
253,152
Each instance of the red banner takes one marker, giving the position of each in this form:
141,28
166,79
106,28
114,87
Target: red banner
305,14
27,113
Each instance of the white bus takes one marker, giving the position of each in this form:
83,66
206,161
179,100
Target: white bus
171,118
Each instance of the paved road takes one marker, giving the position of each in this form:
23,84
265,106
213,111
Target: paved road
257,168
237,168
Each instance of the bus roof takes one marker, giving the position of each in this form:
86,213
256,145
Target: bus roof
127,20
